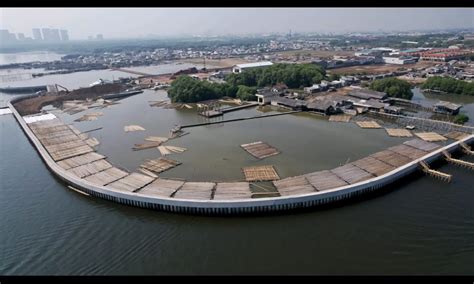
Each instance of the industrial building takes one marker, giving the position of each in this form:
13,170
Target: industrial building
444,55
239,68
400,60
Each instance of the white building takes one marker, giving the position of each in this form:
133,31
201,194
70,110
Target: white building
239,68
399,60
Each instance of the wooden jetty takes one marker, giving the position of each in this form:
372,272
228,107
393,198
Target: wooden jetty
260,149
260,173
221,111
458,162
237,119
466,149
437,174
368,124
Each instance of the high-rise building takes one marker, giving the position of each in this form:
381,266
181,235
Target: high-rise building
7,37
46,34
37,34
100,37
64,35
55,35
21,36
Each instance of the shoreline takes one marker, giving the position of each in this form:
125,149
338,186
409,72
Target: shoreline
233,206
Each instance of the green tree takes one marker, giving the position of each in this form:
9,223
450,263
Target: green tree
393,87
246,93
449,85
461,118
293,75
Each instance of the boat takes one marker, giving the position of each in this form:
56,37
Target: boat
125,94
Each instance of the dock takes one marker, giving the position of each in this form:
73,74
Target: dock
237,119
219,112
436,174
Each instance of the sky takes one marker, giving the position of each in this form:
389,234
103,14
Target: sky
139,22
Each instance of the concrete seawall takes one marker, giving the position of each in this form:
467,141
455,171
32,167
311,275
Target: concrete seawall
223,207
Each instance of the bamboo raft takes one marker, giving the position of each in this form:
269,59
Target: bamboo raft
456,135
260,150
368,124
431,136
395,132
260,173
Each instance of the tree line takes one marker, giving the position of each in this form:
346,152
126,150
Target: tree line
393,87
244,85
449,85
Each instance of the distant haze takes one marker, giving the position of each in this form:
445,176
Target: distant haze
140,22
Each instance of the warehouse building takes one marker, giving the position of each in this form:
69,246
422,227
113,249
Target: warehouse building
239,68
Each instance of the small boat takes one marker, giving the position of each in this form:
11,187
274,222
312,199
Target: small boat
410,127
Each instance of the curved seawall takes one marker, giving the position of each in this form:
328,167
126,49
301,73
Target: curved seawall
234,206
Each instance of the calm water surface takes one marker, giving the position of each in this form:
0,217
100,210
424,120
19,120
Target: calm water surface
422,226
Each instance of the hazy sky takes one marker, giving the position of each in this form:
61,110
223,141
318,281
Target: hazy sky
137,22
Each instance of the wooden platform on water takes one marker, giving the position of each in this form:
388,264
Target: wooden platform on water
107,176
195,190
80,160
232,190
260,173
340,118
260,149
159,165
324,180
293,186
90,168
162,187
131,182
398,132
456,135
368,124
431,136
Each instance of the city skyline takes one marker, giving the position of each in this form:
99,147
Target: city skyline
219,21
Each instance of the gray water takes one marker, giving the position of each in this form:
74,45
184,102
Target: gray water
421,226
23,57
